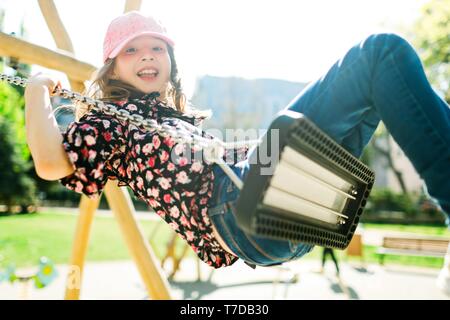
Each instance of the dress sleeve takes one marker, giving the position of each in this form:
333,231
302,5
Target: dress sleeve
90,143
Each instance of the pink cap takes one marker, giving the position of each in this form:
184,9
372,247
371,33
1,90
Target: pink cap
128,26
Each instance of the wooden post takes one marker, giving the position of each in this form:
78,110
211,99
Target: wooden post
118,198
80,244
153,276
132,5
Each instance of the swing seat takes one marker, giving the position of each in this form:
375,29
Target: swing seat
311,191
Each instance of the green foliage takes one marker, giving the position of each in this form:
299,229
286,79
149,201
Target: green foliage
382,199
12,108
432,38
16,187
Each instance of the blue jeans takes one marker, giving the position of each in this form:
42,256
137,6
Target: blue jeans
252,249
381,78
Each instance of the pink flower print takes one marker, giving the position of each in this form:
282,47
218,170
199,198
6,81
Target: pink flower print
153,202
137,149
189,193
164,183
161,213
78,187
129,172
167,198
174,212
137,136
170,166
184,208
90,140
156,141
189,235
107,136
153,192
73,156
169,141
97,173
182,161
92,155
176,195
131,107
183,178
204,200
206,220
106,124
147,148
193,222
84,153
121,170
78,141
164,156
174,225
140,183
179,149
91,188
148,176
184,221
196,166
86,126
151,161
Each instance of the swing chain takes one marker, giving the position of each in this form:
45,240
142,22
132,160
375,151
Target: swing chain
214,149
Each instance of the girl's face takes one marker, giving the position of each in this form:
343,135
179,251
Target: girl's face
145,64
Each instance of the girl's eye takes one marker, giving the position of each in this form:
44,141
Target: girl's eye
158,49
130,50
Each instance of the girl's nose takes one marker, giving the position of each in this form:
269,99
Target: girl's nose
147,55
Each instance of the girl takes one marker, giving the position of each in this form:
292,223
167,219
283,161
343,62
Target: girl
379,78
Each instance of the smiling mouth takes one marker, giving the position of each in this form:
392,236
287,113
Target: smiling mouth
147,74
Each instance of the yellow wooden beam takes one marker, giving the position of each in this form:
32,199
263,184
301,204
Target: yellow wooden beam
131,5
55,25
30,53
153,276
87,210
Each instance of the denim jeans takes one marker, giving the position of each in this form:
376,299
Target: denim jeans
254,250
380,78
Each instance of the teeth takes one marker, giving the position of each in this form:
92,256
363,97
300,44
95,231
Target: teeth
147,72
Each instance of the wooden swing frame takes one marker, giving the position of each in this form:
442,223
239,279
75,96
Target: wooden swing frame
118,198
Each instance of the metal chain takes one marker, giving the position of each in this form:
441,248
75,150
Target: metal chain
213,149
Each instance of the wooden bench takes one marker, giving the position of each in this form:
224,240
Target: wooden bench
413,246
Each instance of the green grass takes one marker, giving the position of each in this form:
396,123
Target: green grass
25,238
420,229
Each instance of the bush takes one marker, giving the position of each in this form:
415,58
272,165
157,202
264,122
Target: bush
16,187
387,200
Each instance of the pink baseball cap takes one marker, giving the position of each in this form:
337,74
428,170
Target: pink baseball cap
128,26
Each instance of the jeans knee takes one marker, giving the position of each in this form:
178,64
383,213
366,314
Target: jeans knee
386,40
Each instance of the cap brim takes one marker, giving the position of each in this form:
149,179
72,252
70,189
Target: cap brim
116,51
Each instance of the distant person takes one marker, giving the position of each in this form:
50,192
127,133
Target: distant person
330,252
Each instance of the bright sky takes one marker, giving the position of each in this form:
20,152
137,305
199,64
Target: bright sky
294,40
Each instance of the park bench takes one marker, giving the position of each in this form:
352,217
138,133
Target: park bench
413,246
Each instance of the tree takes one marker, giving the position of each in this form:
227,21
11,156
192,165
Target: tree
431,36
16,187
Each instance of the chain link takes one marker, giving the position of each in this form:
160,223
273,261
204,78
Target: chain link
213,149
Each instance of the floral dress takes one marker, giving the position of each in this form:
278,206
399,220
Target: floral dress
170,177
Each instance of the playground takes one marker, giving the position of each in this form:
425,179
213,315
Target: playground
318,203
